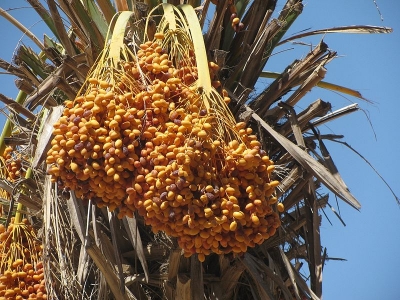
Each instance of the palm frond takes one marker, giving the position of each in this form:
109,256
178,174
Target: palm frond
342,29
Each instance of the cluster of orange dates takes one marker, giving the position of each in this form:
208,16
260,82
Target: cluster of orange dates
21,269
143,139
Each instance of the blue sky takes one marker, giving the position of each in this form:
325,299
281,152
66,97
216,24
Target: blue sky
369,64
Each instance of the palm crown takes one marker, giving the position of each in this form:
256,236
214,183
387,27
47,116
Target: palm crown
194,61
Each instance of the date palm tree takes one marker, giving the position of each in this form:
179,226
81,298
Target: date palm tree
89,253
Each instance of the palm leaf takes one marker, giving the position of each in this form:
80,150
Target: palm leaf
342,29
321,84
311,165
45,16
